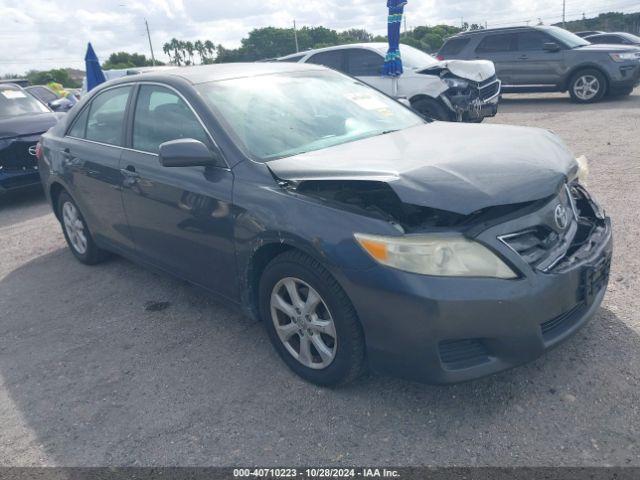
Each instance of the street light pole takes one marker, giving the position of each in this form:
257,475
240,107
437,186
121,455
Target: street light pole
153,58
564,10
295,35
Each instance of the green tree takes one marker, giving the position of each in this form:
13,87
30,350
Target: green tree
121,60
58,75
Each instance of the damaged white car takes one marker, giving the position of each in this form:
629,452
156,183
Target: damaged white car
453,90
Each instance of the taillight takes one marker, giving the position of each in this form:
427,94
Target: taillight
39,151
440,57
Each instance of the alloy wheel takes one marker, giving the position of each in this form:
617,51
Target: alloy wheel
586,87
74,227
303,323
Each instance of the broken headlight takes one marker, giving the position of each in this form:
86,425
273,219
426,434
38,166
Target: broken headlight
456,83
435,254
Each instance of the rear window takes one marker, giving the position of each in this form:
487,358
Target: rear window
495,43
453,46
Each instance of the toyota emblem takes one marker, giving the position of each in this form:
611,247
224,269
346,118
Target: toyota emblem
561,217
32,150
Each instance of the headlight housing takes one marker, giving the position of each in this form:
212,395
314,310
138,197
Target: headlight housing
583,170
443,255
457,83
623,57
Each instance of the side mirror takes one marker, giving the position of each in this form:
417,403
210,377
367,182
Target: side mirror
187,152
405,101
551,47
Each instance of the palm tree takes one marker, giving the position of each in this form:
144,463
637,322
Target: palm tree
199,47
210,48
188,46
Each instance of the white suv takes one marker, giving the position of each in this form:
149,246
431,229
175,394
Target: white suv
454,90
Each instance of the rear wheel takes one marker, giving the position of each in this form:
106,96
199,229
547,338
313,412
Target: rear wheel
587,86
310,320
77,233
433,109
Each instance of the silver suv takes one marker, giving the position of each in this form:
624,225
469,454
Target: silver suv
550,59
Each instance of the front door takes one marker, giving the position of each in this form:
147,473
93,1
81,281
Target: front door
181,218
500,49
537,66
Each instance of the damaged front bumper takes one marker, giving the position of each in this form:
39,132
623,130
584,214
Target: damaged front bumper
478,101
447,330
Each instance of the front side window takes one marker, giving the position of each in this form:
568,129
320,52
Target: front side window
106,116
79,128
282,115
532,41
610,39
332,59
364,63
161,115
495,43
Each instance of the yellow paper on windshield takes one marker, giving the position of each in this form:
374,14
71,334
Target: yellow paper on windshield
368,102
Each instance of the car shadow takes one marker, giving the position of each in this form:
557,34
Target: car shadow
22,205
115,365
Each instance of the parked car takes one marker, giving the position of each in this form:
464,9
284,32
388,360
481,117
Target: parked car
359,232
586,33
22,120
52,99
550,59
449,91
615,38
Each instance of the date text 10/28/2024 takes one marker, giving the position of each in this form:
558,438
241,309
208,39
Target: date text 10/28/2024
315,473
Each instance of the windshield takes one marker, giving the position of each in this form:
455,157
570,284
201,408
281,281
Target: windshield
14,102
569,39
414,58
280,115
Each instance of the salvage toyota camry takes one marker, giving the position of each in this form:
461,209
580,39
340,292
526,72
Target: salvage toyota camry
361,234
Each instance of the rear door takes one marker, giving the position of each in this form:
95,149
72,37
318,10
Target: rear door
500,49
180,217
91,154
535,65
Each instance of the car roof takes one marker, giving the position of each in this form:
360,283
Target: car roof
218,72
379,46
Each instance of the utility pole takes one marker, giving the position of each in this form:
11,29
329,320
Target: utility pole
295,35
153,58
564,11
405,24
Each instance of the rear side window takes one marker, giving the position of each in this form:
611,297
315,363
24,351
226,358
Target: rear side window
161,116
495,43
453,46
364,63
79,128
532,41
332,59
106,116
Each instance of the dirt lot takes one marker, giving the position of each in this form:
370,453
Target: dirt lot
89,377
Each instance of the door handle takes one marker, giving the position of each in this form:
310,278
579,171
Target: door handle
523,57
67,158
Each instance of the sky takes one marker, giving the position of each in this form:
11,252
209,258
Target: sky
44,34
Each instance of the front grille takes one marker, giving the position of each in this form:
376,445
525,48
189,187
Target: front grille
460,354
546,247
16,156
489,91
555,327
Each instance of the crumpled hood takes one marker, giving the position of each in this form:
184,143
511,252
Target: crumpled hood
476,70
455,167
27,124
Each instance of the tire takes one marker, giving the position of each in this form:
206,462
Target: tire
76,234
587,86
431,108
347,348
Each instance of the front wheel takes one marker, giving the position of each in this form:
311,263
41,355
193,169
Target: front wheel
587,86
431,108
310,320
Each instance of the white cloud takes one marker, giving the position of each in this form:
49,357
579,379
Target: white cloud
43,34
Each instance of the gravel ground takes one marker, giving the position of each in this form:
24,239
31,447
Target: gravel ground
89,377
